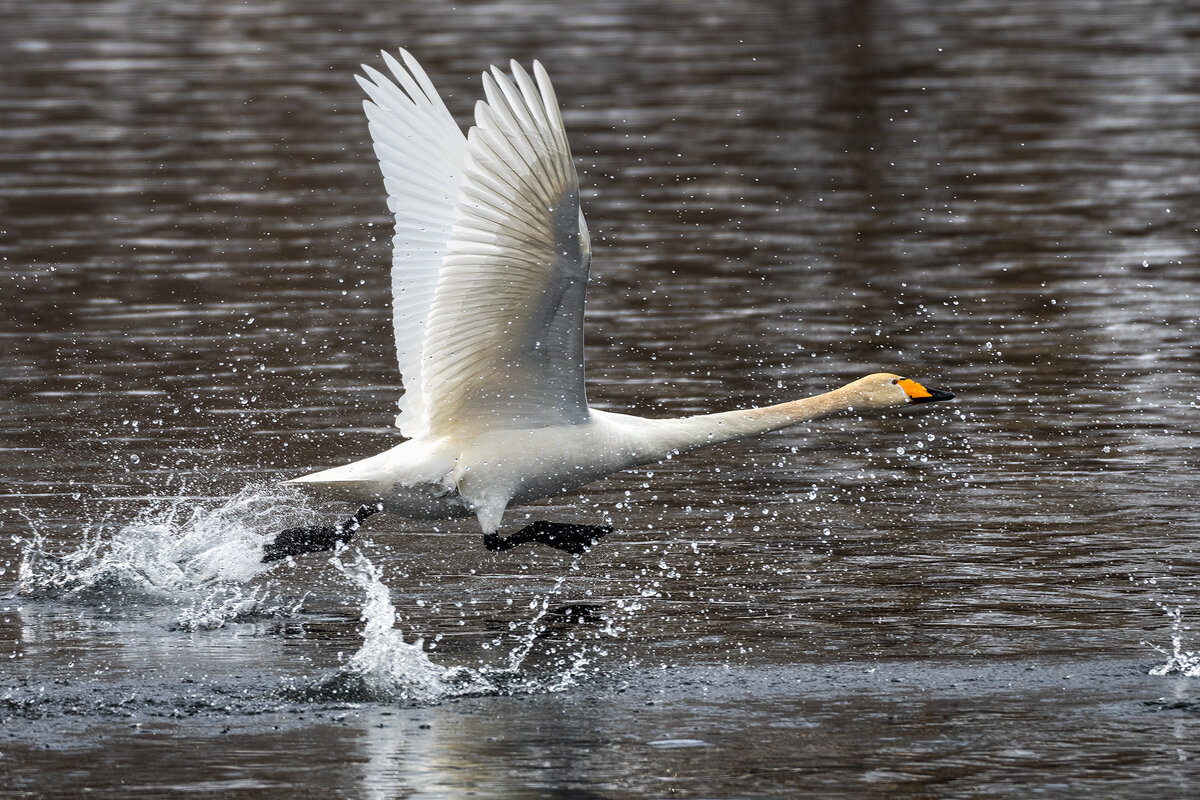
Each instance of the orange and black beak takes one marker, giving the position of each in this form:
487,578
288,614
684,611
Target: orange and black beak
919,394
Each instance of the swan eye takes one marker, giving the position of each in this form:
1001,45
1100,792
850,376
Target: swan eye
895,381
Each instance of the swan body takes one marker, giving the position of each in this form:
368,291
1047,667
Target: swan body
448,478
490,263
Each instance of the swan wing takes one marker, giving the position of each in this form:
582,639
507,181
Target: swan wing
504,342
422,152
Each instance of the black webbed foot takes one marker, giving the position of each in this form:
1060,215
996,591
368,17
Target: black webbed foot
576,539
310,539
315,538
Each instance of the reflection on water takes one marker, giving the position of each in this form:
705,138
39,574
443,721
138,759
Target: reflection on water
997,199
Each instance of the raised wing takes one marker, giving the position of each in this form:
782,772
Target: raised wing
504,342
422,153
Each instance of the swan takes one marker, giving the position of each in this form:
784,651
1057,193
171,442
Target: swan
489,270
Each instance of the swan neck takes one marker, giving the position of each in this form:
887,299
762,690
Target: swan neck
689,433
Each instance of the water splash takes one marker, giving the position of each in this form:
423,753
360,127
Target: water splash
224,604
535,628
204,559
386,668
1179,661
182,553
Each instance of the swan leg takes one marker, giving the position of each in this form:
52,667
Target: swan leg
315,538
577,539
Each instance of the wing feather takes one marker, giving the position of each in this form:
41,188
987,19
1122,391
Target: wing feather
422,153
504,341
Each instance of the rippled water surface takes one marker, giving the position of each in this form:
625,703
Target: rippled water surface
963,600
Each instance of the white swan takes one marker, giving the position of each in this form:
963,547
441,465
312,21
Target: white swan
489,272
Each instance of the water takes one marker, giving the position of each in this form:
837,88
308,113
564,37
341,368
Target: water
965,600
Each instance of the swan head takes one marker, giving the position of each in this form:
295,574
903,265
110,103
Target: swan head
885,390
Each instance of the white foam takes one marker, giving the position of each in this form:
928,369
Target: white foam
204,559
182,552
1179,661
224,604
387,666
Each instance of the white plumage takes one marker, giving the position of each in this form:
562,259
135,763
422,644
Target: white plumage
422,154
489,272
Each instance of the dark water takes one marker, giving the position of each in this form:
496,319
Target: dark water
996,198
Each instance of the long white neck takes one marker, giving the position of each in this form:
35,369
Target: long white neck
672,436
